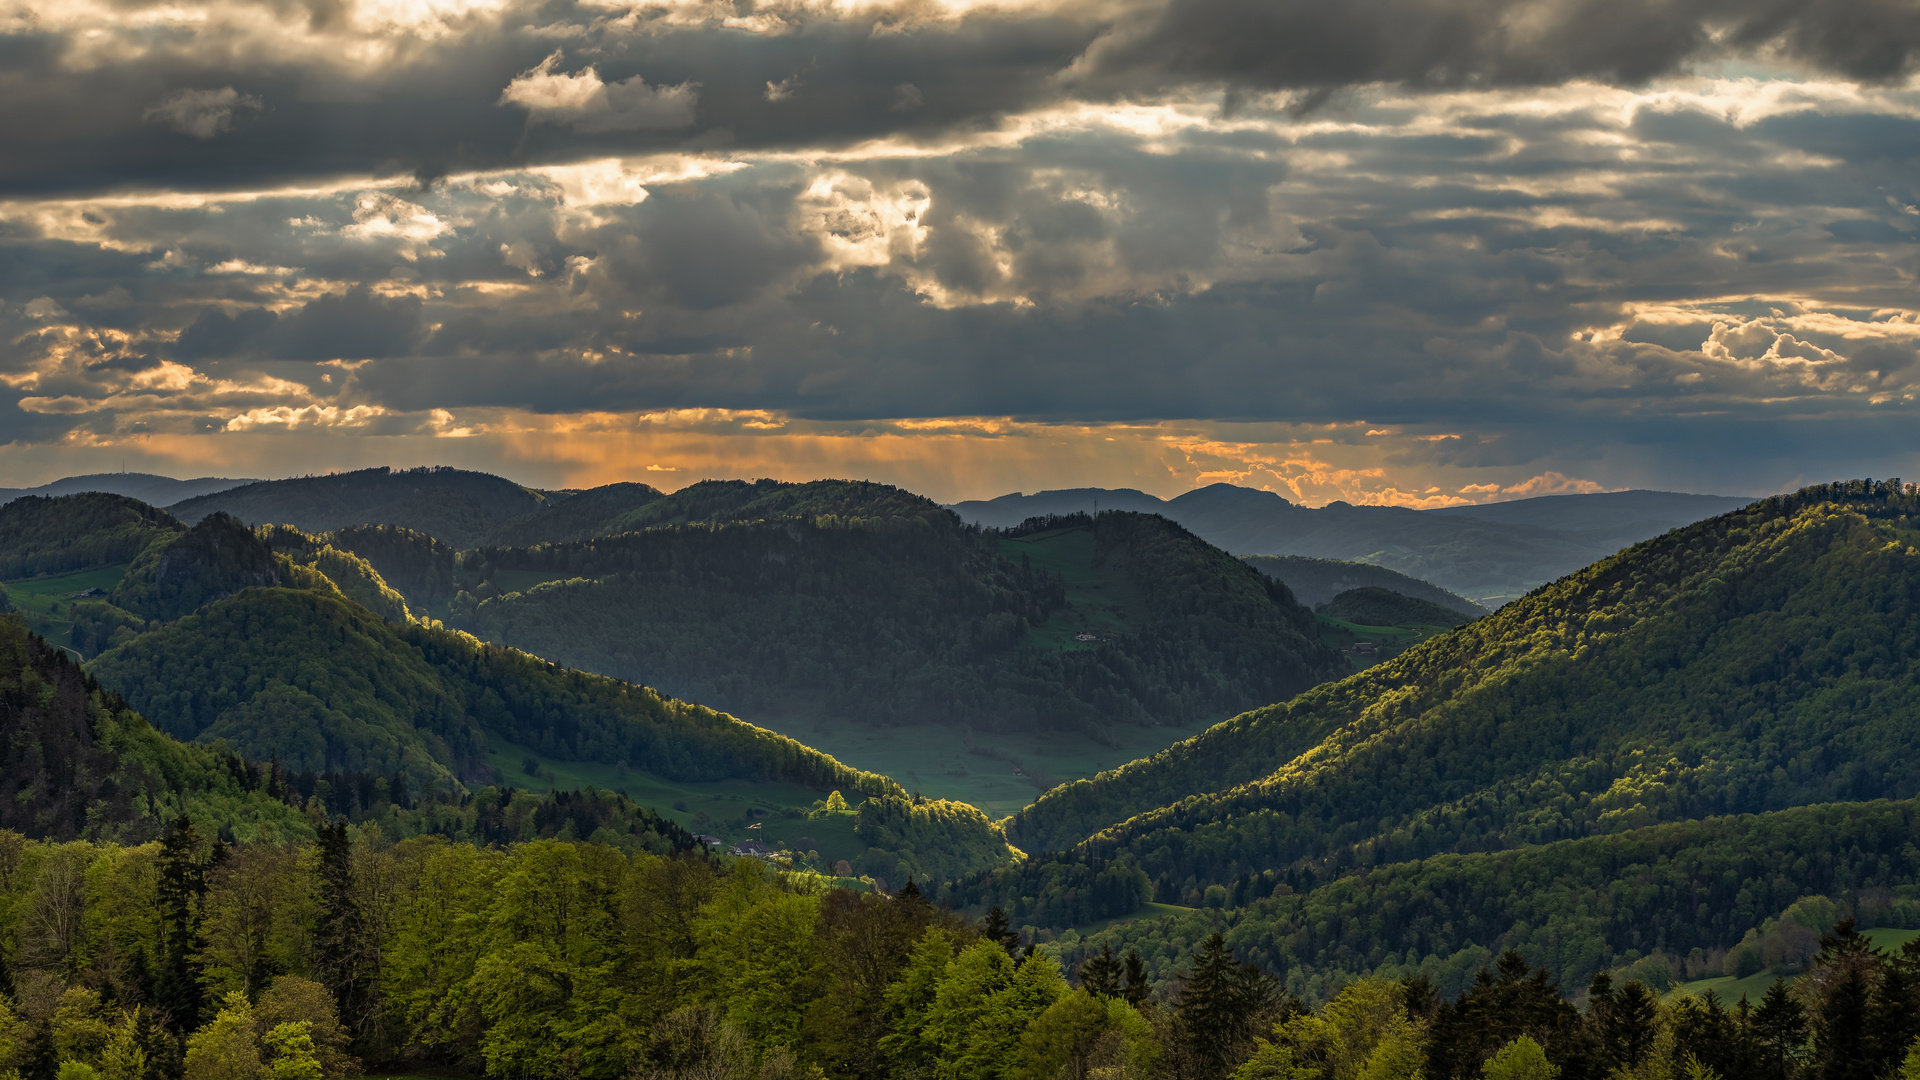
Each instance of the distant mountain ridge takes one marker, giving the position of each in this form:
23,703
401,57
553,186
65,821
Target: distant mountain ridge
1487,553
148,488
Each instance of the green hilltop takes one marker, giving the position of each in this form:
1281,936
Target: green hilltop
1756,663
903,617
1371,605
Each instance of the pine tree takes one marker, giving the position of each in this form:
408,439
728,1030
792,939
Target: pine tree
1893,1019
1631,1023
1136,988
339,934
996,928
1221,1004
1101,974
178,991
1780,1027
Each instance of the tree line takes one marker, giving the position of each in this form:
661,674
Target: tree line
189,958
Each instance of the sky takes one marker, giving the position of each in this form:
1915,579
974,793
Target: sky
1420,252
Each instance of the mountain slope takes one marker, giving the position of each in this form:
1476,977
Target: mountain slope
456,506
1669,897
1487,553
1764,659
1316,581
913,619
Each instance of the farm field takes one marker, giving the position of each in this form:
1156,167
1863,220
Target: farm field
44,600
1729,989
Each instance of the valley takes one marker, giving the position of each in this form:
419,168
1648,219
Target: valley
1083,738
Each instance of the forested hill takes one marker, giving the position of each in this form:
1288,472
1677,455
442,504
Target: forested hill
77,763
874,605
1765,659
1316,581
456,506
55,535
618,508
1373,606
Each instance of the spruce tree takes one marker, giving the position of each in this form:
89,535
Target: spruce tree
340,935
178,990
1136,988
997,929
1100,974
1221,1006
1780,1027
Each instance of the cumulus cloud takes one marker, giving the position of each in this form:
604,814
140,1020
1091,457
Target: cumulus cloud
591,106
201,113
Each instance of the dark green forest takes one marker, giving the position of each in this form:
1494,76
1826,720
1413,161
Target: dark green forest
1371,605
457,506
910,618
40,535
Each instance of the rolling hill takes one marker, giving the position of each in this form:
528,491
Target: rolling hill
282,647
1489,553
902,617
456,506
1316,581
1373,606
146,487
1760,662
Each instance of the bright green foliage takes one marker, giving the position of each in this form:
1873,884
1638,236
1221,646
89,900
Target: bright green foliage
1521,1059
227,1048
1081,1034
1362,1034
77,1070
290,1051
756,955
40,535
1910,1066
353,575
124,1058
901,615
545,985
1374,606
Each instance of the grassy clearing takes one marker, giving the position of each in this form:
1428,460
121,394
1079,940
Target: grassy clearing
1103,600
1391,640
722,808
44,600
979,768
1729,989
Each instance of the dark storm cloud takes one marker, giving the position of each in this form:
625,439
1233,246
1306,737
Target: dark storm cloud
226,103
354,325
1308,44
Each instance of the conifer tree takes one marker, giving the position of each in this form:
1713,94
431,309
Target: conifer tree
178,989
996,928
1136,988
1100,974
339,934
1780,1028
